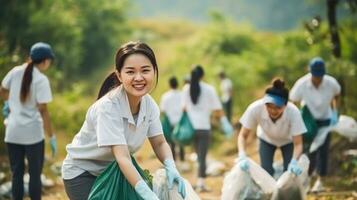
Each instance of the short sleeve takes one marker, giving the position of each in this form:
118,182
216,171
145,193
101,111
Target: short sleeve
7,80
155,127
336,87
297,126
163,103
248,119
43,91
110,128
214,100
295,92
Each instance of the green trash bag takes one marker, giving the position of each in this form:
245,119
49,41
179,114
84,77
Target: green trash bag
183,132
166,127
310,124
112,184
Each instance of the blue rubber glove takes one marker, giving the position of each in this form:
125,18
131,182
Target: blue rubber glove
243,162
144,191
6,109
174,176
294,167
334,117
53,145
226,126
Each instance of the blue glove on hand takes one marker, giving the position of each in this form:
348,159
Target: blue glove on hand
53,145
243,162
294,167
174,176
226,126
334,117
144,191
6,109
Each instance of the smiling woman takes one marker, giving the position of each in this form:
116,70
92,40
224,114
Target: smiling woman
115,127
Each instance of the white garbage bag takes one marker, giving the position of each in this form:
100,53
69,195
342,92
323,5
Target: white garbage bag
292,187
254,184
162,191
347,127
320,138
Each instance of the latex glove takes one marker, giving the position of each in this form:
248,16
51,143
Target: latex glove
334,117
6,109
294,167
243,162
53,145
226,126
174,176
144,191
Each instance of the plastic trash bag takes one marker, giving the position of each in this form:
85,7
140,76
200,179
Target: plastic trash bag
254,184
310,125
320,138
292,187
166,127
161,189
183,132
346,126
112,184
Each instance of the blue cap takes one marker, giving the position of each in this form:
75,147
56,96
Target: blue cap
317,67
274,99
41,51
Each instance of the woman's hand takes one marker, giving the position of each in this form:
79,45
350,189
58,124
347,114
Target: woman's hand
173,176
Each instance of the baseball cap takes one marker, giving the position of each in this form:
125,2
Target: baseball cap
40,51
317,67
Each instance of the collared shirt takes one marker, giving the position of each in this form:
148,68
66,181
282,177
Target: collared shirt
170,104
318,100
226,89
109,122
200,112
25,124
278,133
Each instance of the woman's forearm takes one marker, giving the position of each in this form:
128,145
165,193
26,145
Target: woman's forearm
297,140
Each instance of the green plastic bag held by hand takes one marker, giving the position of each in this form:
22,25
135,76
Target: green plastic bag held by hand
112,184
183,132
166,127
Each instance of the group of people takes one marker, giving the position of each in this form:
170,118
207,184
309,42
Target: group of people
125,115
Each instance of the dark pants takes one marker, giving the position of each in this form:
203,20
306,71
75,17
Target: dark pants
319,158
227,106
201,142
79,187
181,151
267,151
35,156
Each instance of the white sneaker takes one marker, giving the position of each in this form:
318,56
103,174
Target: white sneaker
318,187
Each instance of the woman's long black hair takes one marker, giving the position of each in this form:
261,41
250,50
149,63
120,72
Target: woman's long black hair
27,79
195,90
123,52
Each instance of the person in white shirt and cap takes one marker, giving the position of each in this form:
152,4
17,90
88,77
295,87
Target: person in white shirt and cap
200,100
28,92
168,105
319,92
226,87
279,125
117,125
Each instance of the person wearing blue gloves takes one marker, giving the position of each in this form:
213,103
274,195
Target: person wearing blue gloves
278,124
200,100
117,125
28,92
319,92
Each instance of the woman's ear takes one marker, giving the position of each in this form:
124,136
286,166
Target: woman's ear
118,75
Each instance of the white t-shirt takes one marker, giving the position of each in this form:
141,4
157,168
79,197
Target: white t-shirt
170,104
278,133
226,89
109,122
25,124
318,100
200,112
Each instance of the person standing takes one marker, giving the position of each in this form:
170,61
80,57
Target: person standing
28,92
199,101
168,105
280,125
226,87
319,92
117,125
